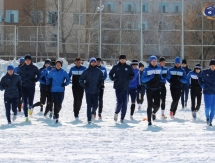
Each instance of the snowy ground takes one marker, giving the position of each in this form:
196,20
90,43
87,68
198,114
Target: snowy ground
41,140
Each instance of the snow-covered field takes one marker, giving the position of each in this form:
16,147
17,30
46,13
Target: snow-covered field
41,140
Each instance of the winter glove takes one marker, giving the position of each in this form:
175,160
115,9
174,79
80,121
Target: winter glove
34,80
86,85
151,76
63,85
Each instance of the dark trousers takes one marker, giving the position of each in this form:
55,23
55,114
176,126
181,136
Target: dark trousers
20,99
176,94
46,95
195,94
78,93
133,94
184,94
101,93
28,98
163,96
153,98
10,103
140,94
57,99
122,101
92,104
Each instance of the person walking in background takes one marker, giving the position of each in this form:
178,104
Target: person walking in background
207,82
56,80
21,62
29,74
196,90
121,74
141,87
77,90
176,76
133,86
10,83
101,91
162,62
43,92
152,78
92,80
185,88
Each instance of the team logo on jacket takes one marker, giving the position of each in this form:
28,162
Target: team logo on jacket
126,69
207,75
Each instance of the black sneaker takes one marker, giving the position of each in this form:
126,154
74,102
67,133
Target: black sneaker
210,124
41,109
89,122
54,117
194,114
153,116
56,121
185,104
149,123
207,121
100,116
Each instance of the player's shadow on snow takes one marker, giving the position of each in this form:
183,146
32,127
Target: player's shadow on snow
49,122
90,126
6,126
161,120
122,125
209,128
179,120
132,121
153,128
141,111
75,122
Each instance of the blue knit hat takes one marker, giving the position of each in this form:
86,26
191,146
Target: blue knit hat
92,59
152,58
10,67
178,60
21,60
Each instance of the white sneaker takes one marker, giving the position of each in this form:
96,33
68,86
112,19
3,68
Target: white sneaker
139,107
14,117
92,117
163,116
115,117
121,121
131,117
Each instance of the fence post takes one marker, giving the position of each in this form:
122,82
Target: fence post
15,38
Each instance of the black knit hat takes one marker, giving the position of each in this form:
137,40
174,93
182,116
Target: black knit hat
134,62
52,63
162,59
98,59
141,64
27,56
61,62
212,62
197,66
122,57
184,61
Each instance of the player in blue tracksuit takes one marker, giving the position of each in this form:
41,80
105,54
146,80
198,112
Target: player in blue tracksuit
101,91
11,82
21,62
121,74
196,90
133,86
44,94
176,76
185,88
141,87
57,80
164,70
207,82
77,90
29,74
91,79
152,78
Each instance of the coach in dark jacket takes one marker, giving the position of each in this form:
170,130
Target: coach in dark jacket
121,74
91,79
10,83
29,75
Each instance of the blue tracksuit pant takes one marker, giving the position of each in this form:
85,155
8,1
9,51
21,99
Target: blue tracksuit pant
10,103
57,98
209,106
122,98
28,98
92,104
184,94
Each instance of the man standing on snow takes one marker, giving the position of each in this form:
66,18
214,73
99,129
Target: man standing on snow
91,79
77,90
133,86
164,70
185,88
10,83
196,90
43,92
152,78
57,80
121,74
176,76
29,74
21,62
101,91
207,82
